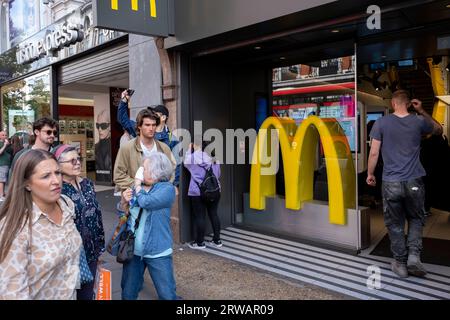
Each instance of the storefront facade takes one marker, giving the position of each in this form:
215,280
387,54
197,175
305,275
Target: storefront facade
329,60
64,68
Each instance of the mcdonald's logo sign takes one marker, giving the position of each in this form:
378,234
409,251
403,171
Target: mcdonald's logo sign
135,6
298,151
146,17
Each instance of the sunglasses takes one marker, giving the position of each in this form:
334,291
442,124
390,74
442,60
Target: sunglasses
49,132
102,126
74,161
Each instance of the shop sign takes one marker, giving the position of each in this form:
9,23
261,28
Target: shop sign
146,17
298,154
62,36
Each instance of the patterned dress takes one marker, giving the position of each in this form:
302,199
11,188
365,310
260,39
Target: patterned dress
48,269
88,217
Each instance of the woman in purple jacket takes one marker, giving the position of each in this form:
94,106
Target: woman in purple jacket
198,162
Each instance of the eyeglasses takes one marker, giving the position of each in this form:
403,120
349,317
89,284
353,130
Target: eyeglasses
74,161
49,132
102,126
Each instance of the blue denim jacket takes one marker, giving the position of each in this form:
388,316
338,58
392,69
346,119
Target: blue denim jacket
157,234
164,136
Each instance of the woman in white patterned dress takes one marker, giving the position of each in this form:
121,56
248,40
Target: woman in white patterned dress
39,243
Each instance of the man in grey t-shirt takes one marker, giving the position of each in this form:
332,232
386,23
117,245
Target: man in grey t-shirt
398,135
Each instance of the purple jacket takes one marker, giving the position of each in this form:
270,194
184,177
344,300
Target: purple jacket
197,163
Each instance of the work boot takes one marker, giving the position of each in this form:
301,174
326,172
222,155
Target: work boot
399,269
415,267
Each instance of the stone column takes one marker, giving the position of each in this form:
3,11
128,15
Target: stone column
153,76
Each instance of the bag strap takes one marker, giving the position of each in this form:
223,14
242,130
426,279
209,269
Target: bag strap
136,222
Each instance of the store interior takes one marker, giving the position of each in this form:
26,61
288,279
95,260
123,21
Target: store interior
87,119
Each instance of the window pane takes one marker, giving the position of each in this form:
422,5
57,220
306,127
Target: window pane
24,102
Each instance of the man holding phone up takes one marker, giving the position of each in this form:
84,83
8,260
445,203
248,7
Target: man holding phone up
162,133
398,136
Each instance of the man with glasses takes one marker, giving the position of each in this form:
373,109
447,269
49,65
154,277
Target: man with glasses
103,163
45,131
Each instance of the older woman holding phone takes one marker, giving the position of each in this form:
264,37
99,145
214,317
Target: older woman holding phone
39,243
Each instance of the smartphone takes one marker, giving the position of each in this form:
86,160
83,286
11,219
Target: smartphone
130,92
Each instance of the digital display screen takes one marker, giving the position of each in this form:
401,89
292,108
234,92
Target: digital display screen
405,63
378,66
374,116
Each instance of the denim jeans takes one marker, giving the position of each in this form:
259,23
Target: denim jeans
199,207
404,201
161,272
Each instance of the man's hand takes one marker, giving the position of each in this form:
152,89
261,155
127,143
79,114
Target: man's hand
417,105
6,142
125,95
371,181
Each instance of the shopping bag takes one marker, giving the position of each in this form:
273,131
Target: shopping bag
103,284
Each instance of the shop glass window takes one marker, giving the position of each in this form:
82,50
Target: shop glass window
25,101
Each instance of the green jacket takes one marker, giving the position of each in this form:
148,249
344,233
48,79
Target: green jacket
129,159
5,156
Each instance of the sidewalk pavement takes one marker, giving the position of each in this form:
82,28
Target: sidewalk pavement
203,276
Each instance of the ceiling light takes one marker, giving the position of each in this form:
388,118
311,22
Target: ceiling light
335,31
383,57
282,58
448,6
257,48
448,68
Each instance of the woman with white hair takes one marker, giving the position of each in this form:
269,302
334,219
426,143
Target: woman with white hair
151,199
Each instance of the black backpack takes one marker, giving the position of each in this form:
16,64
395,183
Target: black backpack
209,188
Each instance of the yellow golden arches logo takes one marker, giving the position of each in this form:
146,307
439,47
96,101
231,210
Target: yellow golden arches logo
298,154
135,6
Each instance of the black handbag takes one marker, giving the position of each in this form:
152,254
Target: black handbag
126,242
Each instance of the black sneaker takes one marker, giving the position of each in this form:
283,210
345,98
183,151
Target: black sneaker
195,245
216,244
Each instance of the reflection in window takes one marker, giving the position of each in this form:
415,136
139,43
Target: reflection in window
24,20
24,102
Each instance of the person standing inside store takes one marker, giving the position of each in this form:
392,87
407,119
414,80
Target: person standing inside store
39,242
130,155
103,163
198,162
5,162
45,131
152,200
162,133
398,136
88,215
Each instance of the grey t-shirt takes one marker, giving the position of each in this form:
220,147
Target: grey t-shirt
400,145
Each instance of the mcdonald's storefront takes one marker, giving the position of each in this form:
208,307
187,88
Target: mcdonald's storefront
322,78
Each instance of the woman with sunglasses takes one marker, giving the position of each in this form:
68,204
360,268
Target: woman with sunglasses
88,216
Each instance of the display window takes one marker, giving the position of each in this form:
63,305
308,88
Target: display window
23,102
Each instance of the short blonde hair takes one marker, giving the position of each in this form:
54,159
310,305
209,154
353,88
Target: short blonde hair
401,96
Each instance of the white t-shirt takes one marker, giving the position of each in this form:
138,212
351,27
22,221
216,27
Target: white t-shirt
140,173
147,151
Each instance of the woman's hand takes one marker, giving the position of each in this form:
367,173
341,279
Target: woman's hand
127,195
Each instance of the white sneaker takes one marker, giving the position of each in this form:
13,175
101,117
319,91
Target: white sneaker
216,244
195,245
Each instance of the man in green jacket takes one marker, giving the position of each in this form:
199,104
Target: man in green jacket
130,155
